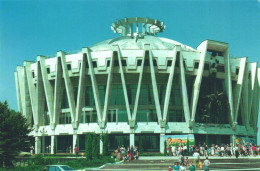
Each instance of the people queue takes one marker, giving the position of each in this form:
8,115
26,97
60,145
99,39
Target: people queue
227,150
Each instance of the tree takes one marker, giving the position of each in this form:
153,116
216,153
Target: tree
105,144
14,130
165,148
95,144
88,148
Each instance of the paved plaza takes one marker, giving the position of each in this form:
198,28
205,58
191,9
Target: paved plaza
163,163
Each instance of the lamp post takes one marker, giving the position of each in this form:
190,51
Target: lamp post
43,131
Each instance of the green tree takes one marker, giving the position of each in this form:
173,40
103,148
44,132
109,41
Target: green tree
88,146
95,144
188,146
14,130
165,148
105,144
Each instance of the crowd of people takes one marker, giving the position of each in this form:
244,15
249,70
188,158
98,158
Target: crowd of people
227,150
185,164
126,154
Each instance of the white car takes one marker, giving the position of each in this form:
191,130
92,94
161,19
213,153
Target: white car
58,168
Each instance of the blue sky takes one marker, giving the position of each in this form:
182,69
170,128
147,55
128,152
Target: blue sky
31,28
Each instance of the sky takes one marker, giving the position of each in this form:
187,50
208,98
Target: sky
37,27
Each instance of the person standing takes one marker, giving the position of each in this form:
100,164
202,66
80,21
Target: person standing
236,151
196,157
76,149
192,167
206,164
176,167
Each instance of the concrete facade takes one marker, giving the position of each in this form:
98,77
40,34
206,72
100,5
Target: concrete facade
135,55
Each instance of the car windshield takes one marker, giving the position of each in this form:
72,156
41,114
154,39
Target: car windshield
66,168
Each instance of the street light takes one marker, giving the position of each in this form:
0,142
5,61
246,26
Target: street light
43,140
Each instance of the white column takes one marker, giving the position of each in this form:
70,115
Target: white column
162,143
101,147
75,136
52,143
132,140
37,145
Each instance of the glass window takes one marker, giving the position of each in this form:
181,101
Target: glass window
46,118
120,100
65,103
111,117
75,91
65,118
89,97
102,92
131,93
122,116
116,140
113,95
145,115
176,115
161,92
142,115
143,98
66,168
151,143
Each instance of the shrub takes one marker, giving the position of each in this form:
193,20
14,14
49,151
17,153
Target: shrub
88,148
165,148
105,144
95,144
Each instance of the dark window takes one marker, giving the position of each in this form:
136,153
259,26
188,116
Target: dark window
214,53
146,58
68,66
94,63
124,62
139,62
221,68
33,74
115,53
196,66
116,63
249,75
108,63
87,65
169,63
206,66
154,63
184,64
146,62
237,71
177,63
48,70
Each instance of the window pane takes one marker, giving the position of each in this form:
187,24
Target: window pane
122,116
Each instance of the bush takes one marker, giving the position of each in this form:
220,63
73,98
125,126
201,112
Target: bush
88,148
105,144
95,144
165,148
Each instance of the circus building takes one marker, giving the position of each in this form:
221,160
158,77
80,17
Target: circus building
138,86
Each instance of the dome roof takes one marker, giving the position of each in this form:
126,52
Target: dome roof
145,28
129,43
